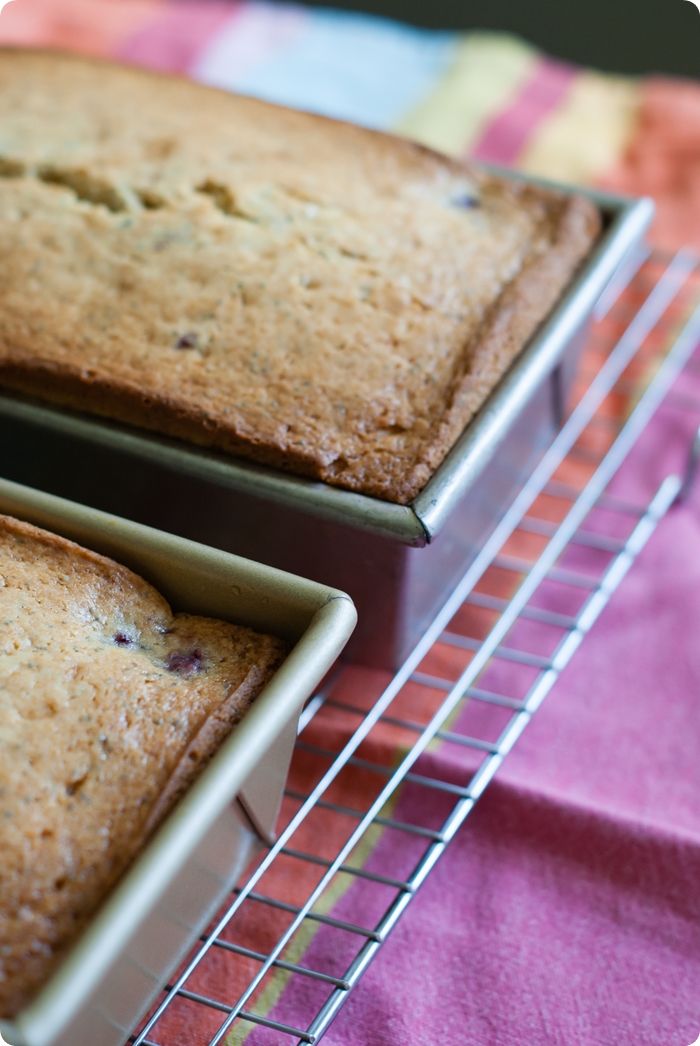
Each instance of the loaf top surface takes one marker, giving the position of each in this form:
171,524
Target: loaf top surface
298,291
109,705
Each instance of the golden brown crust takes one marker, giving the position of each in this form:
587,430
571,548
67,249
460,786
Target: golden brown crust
508,325
343,300
109,706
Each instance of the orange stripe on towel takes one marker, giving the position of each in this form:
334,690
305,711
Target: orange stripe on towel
663,160
78,25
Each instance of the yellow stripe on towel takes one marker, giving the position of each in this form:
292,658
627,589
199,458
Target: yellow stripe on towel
589,133
487,73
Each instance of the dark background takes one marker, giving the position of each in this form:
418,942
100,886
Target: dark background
623,35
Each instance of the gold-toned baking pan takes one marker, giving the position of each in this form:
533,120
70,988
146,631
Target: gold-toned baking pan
397,562
181,877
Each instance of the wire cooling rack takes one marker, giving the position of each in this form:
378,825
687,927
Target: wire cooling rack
362,742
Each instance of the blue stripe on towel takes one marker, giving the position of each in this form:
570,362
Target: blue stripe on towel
354,67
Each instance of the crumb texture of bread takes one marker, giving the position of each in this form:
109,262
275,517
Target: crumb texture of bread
109,706
294,290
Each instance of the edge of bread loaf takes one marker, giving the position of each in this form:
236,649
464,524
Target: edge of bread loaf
195,753
510,322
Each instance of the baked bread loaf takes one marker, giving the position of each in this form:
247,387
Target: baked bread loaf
109,705
297,291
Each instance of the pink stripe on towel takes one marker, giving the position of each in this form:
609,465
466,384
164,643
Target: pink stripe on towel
174,38
511,130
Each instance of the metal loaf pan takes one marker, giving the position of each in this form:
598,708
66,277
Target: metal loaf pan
182,876
397,562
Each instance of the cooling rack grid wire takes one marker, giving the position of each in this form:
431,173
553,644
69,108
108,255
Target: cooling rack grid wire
369,739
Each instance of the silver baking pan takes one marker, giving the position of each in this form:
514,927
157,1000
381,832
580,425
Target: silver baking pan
397,562
182,876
